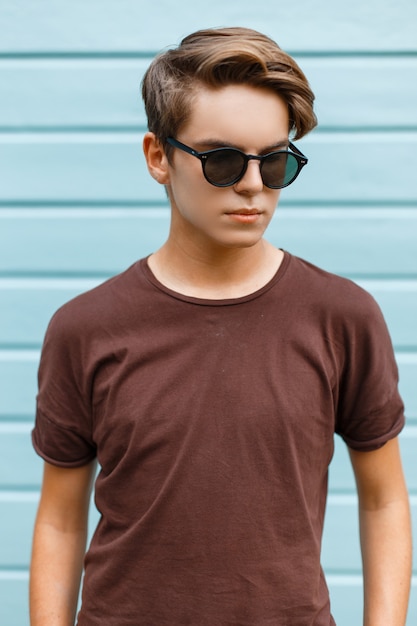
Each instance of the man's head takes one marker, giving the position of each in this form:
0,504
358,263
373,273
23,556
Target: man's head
216,58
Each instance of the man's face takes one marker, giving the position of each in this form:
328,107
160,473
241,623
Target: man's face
251,119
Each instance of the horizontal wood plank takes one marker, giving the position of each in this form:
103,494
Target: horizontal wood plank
68,93
398,301
17,517
106,241
111,25
14,606
355,92
27,306
345,594
341,550
18,384
18,510
98,93
341,475
110,167
407,365
15,443
349,241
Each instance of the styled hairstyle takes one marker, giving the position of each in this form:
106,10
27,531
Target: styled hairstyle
215,58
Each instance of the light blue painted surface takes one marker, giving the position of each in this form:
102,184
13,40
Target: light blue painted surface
76,204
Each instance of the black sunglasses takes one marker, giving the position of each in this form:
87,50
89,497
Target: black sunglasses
224,167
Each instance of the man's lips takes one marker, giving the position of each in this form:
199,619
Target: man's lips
244,212
245,216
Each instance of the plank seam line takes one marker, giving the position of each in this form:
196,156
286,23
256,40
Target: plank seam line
13,574
294,212
285,204
381,284
120,129
19,352
134,137
352,579
150,53
26,495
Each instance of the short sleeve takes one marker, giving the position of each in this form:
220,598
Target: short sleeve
63,428
370,410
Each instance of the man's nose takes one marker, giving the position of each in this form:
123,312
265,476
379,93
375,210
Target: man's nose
251,181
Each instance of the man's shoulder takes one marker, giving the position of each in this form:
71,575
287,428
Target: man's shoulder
95,307
326,289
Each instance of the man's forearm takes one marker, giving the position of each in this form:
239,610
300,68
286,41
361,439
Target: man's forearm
386,552
55,575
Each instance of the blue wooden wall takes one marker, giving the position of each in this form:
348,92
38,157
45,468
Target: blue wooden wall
77,205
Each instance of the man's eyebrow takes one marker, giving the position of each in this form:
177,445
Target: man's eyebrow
212,144
276,146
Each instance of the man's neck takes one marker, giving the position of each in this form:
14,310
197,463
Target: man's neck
217,275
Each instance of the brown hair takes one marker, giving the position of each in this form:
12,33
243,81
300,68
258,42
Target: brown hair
219,57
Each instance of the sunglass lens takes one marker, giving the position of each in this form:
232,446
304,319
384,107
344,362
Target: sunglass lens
291,170
279,170
223,167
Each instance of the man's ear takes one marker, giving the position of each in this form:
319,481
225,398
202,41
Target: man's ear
156,158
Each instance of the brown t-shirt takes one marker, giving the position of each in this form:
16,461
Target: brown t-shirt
213,425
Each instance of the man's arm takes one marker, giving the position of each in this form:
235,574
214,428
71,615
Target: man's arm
59,544
385,532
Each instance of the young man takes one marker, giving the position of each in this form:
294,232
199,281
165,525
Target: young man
208,381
